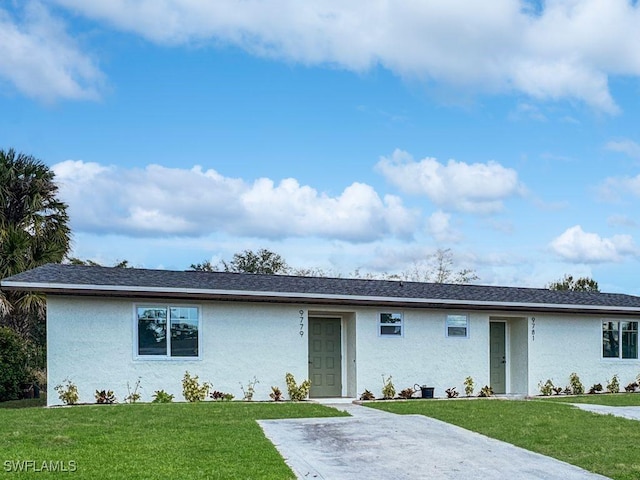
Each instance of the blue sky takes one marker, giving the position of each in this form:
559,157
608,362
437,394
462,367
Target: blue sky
342,136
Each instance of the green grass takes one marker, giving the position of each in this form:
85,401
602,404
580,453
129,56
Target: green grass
152,441
610,399
599,443
28,403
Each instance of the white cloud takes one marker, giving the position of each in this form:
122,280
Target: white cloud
628,147
614,187
40,60
476,188
439,226
565,50
169,201
576,245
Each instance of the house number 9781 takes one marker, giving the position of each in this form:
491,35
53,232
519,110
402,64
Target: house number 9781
301,312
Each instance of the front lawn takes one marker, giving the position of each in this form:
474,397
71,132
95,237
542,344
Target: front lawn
599,443
207,440
610,399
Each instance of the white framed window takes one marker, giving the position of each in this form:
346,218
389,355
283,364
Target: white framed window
167,331
390,324
619,339
457,325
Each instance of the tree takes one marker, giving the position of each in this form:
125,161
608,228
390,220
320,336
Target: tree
33,231
439,268
582,284
263,261
92,263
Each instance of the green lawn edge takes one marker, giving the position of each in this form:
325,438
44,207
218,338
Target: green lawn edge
207,440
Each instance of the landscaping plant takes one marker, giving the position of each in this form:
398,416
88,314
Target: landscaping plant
576,385
486,391
105,397
276,394
468,386
388,390
297,393
546,388
133,396
247,394
67,392
595,388
613,386
367,395
407,393
160,396
451,392
192,390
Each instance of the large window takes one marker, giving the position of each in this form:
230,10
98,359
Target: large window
390,324
619,339
167,331
457,325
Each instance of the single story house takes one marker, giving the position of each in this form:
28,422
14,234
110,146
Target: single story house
107,327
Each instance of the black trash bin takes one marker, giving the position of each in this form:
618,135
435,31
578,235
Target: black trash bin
426,392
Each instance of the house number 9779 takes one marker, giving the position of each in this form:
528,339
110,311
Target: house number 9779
301,312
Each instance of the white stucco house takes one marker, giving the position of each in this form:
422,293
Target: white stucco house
110,326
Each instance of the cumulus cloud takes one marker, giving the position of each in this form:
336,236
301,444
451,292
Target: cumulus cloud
576,245
439,226
178,202
563,49
475,188
38,57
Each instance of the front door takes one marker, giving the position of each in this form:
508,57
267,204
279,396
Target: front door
325,359
497,357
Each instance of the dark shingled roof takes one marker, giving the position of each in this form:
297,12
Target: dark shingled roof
89,280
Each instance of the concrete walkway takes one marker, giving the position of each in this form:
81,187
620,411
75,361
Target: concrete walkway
632,413
378,445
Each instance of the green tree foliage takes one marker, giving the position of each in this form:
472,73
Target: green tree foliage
91,263
263,261
34,231
13,364
439,267
582,284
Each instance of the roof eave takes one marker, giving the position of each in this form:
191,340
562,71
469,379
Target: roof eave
309,298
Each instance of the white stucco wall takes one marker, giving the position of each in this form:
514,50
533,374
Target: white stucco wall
566,344
424,354
90,341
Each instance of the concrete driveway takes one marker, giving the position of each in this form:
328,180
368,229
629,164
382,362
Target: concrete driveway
378,445
632,413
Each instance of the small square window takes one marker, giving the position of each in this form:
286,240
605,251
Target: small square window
457,325
390,324
165,331
619,339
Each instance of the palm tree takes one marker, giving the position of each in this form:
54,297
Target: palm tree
33,231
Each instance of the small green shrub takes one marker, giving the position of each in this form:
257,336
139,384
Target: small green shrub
13,365
613,385
297,393
388,390
67,392
468,386
576,385
367,395
160,396
105,397
221,396
192,390
486,391
276,394
546,388
133,396
595,388
247,394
